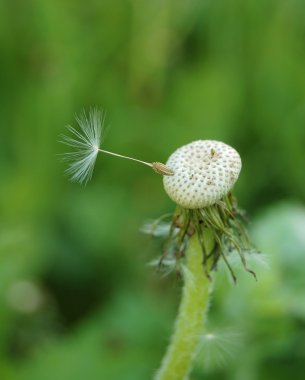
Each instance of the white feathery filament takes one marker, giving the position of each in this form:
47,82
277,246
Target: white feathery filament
86,144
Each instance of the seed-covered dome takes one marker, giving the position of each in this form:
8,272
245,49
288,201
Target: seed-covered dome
204,172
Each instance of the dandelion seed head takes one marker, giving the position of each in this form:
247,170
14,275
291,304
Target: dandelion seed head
85,143
204,172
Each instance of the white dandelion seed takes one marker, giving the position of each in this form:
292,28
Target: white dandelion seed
86,144
218,347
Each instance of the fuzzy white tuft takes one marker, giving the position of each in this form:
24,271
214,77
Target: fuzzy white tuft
218,347
85,143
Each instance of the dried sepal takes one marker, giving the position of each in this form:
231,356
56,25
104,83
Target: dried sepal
221,221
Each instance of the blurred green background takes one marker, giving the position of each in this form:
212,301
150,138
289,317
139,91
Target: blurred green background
76,296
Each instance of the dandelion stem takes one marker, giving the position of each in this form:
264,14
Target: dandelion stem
129,158
189,324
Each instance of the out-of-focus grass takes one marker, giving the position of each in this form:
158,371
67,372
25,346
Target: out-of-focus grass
71,258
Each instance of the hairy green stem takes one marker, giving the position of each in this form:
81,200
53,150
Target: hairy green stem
189,324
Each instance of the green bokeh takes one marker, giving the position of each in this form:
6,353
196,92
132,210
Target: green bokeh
76,296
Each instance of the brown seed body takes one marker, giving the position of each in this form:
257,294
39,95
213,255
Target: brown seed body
162,169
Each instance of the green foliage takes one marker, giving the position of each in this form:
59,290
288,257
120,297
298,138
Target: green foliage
76,297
